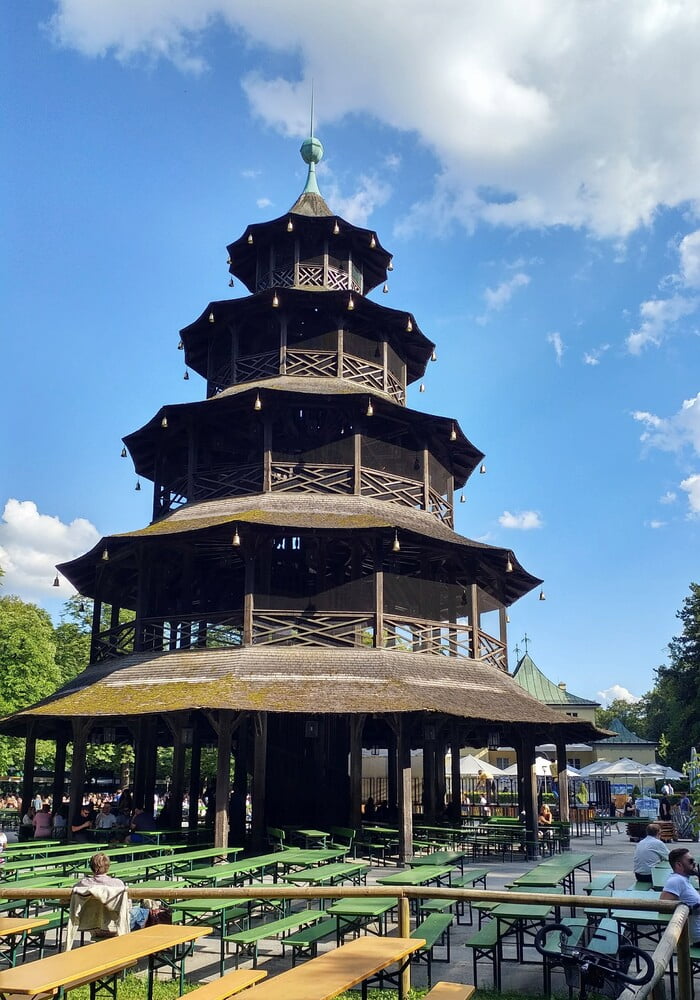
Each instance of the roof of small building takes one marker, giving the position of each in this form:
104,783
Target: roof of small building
297,679
624,735
531,679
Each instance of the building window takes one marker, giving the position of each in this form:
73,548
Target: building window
502,762
573,714
574,762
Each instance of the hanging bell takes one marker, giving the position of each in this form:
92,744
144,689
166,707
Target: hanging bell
351,303
336,228
370,409
453,433
509,565
257,405
211,317
186,376
421,388
180,346
236,540
386,288
164,423
463,499
138,486
123,453
433,356
275,301
230,282
390,265
396,546
482,470
250,238
409,325
290,226
373,242
56,581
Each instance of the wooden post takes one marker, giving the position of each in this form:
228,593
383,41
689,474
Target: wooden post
474,621
563,781
685,972
456,775
177,785
357,464
429,776
249,586
503,627
392,778
267,455
223,777
195,782
440,779
404,931
378,593
356,726
259,779
237,817
341,349
529,791
59,772
29,764
81,731
426,479
405,791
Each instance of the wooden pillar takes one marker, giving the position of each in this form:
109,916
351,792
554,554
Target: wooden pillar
440,780
29,765
150,763
356,726
378,593
237,815
474,621
267,454
59,773
139,762
503,628
341,349
562,780
429,774
223,776
529,793
81,731
177,784
195,782
456,775
96,620
357,464
259,778
405,790
249,587
392,788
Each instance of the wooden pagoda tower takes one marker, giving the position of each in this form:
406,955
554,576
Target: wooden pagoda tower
300,592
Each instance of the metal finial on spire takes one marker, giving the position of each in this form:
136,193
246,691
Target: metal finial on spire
526,641
311,153
517,651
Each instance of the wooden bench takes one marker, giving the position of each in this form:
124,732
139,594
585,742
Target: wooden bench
342,837
486,943
468,880
435,929
228,985
246,942
101,962
605,880
304,943
450,991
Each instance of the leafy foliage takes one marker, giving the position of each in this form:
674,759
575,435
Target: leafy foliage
631,715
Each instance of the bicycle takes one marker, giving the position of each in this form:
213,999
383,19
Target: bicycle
599,958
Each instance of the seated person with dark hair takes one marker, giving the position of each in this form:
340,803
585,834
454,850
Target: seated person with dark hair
142,823
677,886
648,853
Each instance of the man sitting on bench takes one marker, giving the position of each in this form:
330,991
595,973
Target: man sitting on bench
100,903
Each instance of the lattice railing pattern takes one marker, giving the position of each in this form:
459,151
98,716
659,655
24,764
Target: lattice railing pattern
224,630
394,386
359,370
311,274
257,366
228,481
312,478
223,375
312,363
283,276
313,629
337,279
493,651
416,636
385,486
440,506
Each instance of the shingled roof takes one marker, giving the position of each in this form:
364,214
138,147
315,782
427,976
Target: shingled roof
309,679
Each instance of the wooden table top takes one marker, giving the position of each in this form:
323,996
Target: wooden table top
84,964
335,971
18,925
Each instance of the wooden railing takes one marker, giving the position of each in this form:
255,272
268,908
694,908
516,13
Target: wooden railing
225,630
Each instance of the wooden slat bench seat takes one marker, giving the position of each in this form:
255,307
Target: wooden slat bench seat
435,929
304,943
486,943
246,942
227,985
450,991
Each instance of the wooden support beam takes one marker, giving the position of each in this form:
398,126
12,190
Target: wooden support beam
59,772
526,771
356,725
474,621
455,776
562,780
249,587
378,593
81,731
259,778
195,783
223,776
405,790
29,765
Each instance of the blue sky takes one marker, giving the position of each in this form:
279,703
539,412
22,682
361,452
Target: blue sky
534,169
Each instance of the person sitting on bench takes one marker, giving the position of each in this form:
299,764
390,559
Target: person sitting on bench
648,853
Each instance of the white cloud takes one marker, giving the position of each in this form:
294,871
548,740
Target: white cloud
654,525
263,202
250,174
593,356
525,520
392,161
657,317
668,497
689,252
357,207
672,433
616,692
558,344
496,298
538,114
32,543
691,485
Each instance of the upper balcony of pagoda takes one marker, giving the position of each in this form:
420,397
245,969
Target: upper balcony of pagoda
293,332
309,247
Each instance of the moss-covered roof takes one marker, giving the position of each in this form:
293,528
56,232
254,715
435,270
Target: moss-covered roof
624,735
296,679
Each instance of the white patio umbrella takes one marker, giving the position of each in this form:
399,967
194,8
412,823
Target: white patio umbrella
661,771
595,768
471,766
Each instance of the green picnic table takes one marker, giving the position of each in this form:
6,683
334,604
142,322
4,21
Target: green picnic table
421,875
330,874
452,858
522,918
220,912
312,838
359,914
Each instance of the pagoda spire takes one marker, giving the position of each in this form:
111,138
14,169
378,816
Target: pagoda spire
310,201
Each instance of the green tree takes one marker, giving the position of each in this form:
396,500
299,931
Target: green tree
632,715
28,670
673,705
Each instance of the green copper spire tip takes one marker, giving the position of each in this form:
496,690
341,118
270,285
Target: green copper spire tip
312,153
